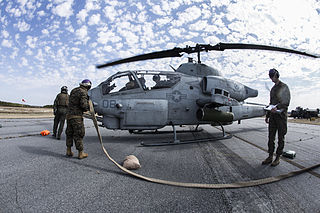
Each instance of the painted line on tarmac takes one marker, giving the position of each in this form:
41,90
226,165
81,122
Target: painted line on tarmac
28,135
19,136
288,161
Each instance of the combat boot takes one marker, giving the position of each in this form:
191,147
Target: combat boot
267,160
276,161
82,155
69,152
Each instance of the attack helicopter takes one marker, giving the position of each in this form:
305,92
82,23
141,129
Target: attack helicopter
192,94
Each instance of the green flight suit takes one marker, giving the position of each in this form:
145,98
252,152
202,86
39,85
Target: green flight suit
279,96
60,107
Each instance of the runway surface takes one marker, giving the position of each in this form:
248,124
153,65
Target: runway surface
36,176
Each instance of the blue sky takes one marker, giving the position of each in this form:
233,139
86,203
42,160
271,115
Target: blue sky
47,44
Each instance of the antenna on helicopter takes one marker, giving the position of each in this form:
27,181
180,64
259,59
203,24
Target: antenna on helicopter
174,69
176,52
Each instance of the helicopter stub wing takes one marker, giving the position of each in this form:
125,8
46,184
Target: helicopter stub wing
176,52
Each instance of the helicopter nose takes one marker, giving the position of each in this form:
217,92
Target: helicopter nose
251,93
94,95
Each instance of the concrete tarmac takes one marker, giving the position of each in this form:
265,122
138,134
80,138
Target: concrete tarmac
36,176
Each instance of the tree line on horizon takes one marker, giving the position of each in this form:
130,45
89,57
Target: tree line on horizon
9,104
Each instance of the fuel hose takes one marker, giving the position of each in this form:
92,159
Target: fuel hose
240,184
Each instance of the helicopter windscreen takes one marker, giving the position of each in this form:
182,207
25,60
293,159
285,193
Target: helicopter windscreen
148,81
157,80
119,83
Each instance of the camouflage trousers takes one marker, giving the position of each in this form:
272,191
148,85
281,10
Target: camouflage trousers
75,133
277,123
59,120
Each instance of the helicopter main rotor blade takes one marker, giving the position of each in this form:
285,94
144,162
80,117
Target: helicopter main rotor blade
225,46
176,52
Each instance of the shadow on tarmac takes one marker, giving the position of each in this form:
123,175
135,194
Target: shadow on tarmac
44,152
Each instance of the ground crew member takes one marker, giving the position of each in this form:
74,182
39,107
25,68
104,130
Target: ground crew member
277,117
60,107
78,103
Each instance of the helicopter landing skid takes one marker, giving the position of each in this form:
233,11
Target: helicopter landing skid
178,142
164,132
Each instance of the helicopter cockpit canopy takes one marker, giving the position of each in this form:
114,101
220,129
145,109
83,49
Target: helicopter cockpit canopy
139,80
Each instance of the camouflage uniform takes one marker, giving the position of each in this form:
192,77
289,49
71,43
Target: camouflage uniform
78,103
280,96
60,107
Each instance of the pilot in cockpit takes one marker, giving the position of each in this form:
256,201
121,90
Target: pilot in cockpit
132,84
143,82
156,79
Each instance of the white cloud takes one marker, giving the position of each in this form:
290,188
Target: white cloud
70,28
109,36
41,13
94,19
14,53
47,49
212,39
31,41
175,32
75,58
22,26
82,34
142,17
191,35
45,32
5,34
17,37
131,38
16,12
82,15
40,56
92,5
6,43
64,8
156,9
22,2
199,25
60,53
24,61
189,15
30,5
170,45
163,21
75,49
29,52
111,13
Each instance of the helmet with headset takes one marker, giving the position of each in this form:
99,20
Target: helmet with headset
64,89
273,72
86,83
